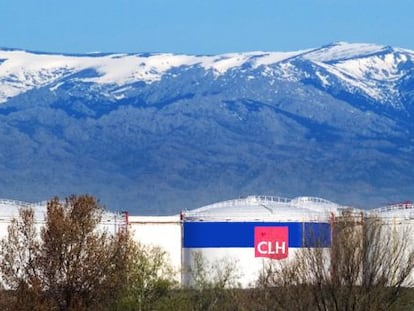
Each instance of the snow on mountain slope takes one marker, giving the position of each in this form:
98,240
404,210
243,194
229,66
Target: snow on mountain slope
369,69
341,51
21,71
372,69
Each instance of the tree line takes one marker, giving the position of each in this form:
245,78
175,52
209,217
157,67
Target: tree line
69,264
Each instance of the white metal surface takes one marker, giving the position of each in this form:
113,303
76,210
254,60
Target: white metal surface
9,209
266,208
160,231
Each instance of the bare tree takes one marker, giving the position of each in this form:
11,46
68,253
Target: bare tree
366,268
18,266
19,251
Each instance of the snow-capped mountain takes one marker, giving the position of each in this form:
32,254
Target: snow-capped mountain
163,132
22,71
370,69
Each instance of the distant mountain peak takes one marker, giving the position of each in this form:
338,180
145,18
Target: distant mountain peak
160,132
360,65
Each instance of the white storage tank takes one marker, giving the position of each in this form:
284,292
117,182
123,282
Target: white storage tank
399,231
160,231
9,209
399,219
403,210
253,230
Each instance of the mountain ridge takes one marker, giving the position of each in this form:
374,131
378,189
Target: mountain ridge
166,135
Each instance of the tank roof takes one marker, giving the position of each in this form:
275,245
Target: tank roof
263,208
403,209
10,208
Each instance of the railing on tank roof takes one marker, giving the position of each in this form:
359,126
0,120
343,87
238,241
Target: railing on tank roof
267,202
21,203
251,199
8,202
267,199
247,217
312,200
114,222
393,207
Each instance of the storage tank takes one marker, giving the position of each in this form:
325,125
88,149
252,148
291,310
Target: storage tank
9,209
403,210
398,220
253,230
160,231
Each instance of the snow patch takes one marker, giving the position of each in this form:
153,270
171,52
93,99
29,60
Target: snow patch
343,50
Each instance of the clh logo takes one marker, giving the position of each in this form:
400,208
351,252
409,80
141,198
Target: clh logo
271,242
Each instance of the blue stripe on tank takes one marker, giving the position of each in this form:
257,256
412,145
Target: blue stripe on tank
241,234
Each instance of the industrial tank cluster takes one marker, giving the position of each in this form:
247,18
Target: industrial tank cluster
247,231
252,231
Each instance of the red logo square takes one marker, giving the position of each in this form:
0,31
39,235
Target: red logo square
271,242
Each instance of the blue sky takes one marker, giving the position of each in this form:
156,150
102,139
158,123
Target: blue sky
201,26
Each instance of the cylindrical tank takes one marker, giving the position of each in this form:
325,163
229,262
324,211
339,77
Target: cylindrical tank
247,233
398,231
9,209
399,219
